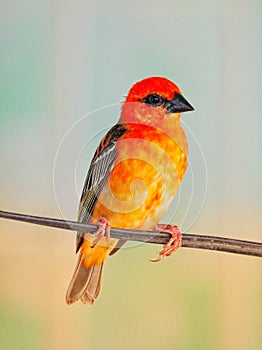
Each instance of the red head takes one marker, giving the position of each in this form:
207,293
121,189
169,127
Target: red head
152,98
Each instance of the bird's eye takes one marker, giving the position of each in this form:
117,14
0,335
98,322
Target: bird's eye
153,100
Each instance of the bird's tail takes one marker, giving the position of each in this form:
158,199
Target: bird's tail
85,283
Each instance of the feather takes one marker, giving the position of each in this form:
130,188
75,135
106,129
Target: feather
99,171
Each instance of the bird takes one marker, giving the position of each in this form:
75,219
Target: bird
132,180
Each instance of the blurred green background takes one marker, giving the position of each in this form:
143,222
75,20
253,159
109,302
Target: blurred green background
60,60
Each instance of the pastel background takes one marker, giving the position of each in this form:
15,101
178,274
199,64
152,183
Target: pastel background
60,60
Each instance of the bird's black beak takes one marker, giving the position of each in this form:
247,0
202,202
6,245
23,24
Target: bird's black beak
178,104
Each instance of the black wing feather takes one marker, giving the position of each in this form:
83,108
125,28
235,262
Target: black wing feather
98,173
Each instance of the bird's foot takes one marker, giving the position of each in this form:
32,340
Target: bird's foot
102,230
173,244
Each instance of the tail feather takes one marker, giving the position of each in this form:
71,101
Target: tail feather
94,285
85,283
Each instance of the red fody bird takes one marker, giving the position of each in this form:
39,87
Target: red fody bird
132,179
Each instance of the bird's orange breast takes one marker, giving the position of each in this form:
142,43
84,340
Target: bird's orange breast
149,167
148,170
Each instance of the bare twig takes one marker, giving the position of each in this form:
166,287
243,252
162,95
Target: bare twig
188,240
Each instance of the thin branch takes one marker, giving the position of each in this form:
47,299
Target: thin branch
188,240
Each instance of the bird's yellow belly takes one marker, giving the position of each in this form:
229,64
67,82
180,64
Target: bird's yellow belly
142,184
139,190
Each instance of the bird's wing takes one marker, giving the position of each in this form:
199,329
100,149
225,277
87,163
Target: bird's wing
98,173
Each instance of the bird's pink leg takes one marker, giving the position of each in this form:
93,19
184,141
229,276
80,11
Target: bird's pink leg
173,244
102,230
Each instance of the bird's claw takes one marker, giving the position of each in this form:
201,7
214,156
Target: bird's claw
174,242
102,230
